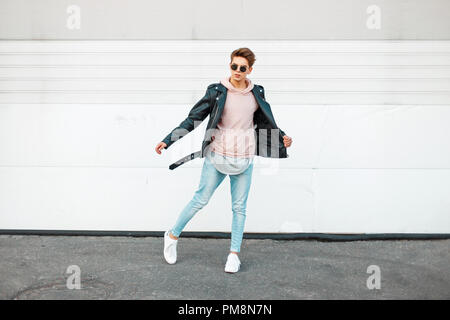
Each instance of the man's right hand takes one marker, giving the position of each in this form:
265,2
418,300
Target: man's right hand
159,147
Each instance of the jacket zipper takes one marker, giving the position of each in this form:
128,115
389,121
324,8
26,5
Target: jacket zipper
214,116
267,117
217,109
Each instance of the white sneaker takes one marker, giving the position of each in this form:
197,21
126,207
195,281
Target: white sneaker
233,263
170,248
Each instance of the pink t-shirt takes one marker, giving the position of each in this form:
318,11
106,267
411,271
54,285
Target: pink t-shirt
235,136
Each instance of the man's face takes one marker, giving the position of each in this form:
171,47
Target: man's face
237,74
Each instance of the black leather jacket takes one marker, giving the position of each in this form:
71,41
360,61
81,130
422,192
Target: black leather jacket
212,104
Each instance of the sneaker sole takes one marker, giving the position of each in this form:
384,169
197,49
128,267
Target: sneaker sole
233,271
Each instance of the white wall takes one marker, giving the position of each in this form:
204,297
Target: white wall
218,19
79,121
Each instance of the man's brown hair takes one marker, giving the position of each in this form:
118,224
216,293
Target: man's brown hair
245,53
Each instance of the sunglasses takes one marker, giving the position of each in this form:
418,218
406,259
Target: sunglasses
234,67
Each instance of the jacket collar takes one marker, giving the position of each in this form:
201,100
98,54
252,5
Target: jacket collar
220,87
256,92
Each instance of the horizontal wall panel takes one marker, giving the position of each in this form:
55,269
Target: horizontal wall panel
190,97
238,19
217,59
125,136
137,199
140,199
211,73
214,46
389,200
293,85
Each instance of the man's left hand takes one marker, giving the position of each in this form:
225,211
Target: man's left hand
287,141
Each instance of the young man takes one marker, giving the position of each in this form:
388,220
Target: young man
231,151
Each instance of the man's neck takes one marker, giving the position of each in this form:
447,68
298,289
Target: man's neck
242,84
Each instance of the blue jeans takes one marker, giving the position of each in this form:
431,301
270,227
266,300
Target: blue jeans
209,181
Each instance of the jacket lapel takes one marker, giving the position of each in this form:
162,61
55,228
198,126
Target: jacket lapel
222,95
265,107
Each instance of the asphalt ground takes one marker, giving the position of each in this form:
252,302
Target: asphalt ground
46,267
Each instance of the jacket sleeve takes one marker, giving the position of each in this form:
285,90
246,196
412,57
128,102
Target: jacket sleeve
195,117
264,97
